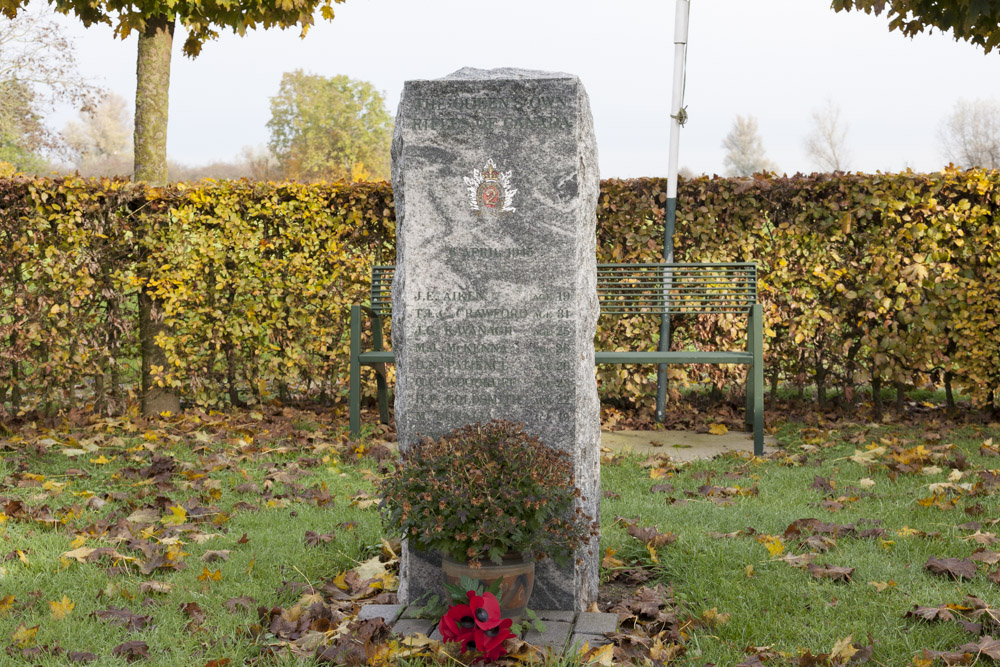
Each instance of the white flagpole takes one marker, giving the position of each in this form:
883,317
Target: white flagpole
678,116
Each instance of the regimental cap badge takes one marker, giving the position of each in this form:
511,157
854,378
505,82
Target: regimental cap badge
489,191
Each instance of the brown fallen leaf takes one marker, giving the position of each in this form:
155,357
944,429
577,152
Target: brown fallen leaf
941,613
123,617
155,587
985,557
831,572
193,611
985,646
132,651
994,576
81,657
244,601
212,556
958,568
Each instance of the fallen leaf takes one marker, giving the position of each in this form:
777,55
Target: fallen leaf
23,635
609,561
843,650
132,651
154,587
124,618
208,575
881,586
718,429
831,572
177,516
211,556
958,568
61,609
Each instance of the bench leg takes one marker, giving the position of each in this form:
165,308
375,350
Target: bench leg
383,394
383,390
355,389
757,370
748,385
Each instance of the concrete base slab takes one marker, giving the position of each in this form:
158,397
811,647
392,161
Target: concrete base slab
412,626
681,445
555,635
387,612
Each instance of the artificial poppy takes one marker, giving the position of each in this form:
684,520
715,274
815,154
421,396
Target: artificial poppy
490,642
486,610
458,624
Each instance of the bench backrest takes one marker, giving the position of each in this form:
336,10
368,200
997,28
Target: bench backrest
636,289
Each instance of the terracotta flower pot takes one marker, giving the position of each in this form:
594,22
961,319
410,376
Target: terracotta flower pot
517,577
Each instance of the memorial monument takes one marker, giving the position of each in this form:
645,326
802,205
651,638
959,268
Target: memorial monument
495,179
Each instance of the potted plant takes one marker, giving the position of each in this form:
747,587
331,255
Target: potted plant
492,500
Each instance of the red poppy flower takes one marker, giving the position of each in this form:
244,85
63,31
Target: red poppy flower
490,642
486,610
458,625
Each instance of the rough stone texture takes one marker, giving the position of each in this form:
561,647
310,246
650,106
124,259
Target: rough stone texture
494,300
412,626
388,612
595,623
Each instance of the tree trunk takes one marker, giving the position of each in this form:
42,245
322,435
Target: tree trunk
876,395
151,101
949,393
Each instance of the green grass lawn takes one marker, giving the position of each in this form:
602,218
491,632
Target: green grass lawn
254,484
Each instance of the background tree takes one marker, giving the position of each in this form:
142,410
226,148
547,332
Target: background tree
101,140
37,70
970,136
975,21
745,149
826,144
258,163
329,128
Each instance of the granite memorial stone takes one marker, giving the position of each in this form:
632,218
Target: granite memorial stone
494,174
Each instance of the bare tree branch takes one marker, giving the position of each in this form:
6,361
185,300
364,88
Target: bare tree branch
970,136
826,145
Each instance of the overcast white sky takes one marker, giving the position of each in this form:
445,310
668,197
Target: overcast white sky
774,59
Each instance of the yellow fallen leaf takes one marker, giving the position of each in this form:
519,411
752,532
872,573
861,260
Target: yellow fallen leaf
609,561
842,650
78,541
866,483
22,557
652,552
102,460
370,569
713,617
718,429
6,603
23,635
774,544
658,473
61,609
882,586
208,575
749,570
177,516
604,656
80,554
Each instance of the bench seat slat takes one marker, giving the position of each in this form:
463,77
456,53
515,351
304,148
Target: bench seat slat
673,357
643,289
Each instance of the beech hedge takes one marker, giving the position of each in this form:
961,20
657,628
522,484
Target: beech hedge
866,279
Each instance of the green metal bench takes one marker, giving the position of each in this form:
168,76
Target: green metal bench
622,289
